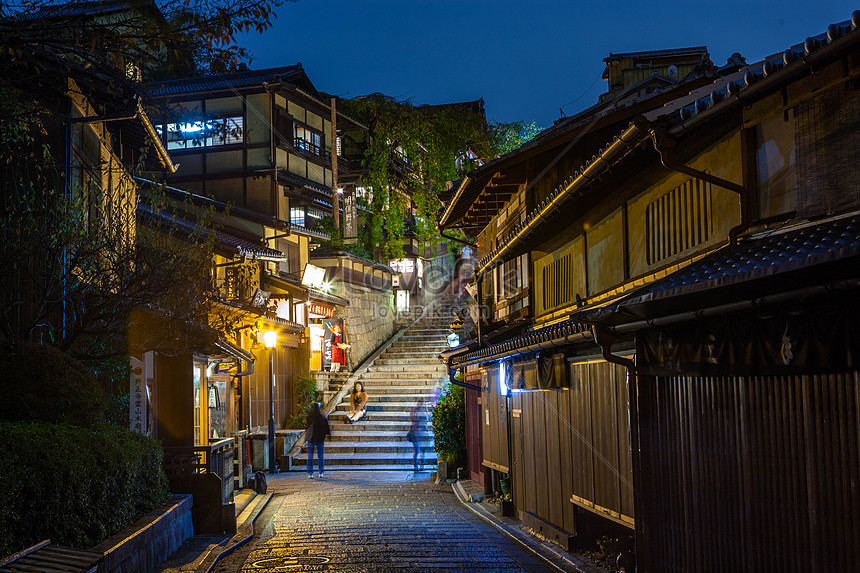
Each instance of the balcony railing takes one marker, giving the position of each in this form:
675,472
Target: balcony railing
309,147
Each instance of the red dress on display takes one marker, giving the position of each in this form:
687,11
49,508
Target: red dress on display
336,350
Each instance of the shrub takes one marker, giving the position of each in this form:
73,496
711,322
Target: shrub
74,485
306,394
40,382
449,424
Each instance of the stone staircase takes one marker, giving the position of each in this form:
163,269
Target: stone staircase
406,372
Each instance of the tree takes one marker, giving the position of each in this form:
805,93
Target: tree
73,262
413,151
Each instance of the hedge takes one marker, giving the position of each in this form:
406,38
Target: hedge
43,383
74,485
449,425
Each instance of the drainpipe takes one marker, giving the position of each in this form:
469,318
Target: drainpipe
604,338
662,143
455,239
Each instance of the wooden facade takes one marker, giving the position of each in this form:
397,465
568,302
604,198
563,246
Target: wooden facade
699,277
750,471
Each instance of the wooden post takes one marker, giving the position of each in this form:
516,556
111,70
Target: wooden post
335,200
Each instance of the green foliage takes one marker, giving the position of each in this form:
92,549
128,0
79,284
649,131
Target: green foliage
361,247
74,485
41,383
305,391
413,151
510,136
448,417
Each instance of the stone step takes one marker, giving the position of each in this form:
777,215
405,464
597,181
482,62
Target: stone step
338,426
413,350
386,385
427,467
404,365
335,460
390,448
410,398
386,407
424,390
345,435
402,375
372,417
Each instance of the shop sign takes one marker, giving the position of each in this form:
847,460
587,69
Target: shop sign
137,399
321,309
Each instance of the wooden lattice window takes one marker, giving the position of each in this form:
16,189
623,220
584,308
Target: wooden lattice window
679,220
557,283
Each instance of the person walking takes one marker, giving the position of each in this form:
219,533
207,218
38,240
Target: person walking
357,403
318,429
416,417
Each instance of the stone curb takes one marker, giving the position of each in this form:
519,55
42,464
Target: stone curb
548,555
244,535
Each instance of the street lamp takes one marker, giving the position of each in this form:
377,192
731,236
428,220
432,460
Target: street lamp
270,338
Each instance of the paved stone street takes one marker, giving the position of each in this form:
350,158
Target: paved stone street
365,521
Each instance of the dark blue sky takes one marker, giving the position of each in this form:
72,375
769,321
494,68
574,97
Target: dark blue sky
526,59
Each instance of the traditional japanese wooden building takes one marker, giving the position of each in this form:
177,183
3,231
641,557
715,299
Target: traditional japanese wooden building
683,361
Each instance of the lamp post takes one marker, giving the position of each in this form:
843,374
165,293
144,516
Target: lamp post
270,339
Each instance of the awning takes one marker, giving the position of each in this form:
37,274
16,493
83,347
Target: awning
324,297
555,335
233,350
768,268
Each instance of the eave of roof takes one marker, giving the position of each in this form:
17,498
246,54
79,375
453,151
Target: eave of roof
766,256
224,240
220,206
559,334
235,80
758,79
658,53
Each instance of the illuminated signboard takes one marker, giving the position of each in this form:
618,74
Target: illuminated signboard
321,309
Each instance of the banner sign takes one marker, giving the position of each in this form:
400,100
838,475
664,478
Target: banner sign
321,309
332,334
350,214
137,397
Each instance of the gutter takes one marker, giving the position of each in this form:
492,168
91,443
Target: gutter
632,136
238,353
156,140
722,309
453,202
575,338
455,239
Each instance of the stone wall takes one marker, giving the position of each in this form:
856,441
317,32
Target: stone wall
369,320
150,540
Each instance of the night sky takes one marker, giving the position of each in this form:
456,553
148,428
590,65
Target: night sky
526,59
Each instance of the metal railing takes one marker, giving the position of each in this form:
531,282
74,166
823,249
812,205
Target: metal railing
214,458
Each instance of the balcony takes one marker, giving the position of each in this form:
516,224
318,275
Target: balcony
308,147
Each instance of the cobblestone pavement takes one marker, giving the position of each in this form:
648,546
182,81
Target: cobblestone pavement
383,521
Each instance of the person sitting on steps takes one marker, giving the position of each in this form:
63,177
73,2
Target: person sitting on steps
357,403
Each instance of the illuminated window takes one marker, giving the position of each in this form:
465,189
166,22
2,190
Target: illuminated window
308,140
205,133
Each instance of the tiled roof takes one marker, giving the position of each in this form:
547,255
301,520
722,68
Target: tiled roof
658,53
74,9
769,255
304,182
558,334
228,241
689,107
769,66
235,80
